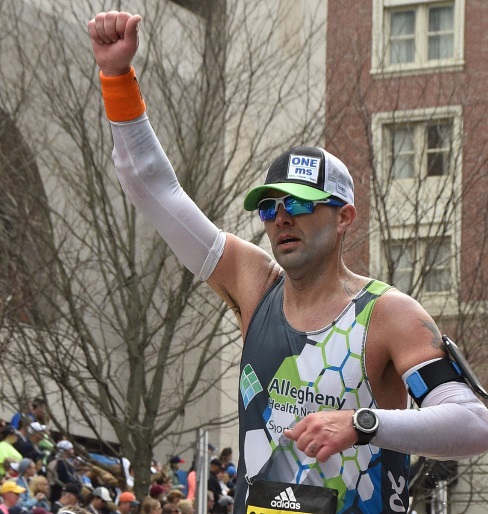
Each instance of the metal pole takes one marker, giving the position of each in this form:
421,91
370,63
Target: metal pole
201,466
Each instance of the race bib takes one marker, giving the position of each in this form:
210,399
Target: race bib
266,497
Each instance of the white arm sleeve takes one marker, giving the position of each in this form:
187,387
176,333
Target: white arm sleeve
452,424
148,180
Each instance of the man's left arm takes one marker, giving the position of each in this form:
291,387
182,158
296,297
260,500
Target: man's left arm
452,423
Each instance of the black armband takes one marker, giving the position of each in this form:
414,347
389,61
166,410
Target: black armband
427,378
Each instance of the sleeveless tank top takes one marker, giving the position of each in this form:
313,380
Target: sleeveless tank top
286,374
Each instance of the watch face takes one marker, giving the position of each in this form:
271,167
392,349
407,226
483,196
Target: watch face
366,419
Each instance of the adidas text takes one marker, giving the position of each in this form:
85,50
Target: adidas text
285,504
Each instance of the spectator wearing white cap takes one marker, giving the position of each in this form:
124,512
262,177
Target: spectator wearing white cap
61,470
225,505
30,433
100,498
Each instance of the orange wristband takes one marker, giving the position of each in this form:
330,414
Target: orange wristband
122,96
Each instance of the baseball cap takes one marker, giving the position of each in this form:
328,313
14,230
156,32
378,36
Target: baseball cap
176,460
307,172
155,490
10,486
127,496
102,492
23,465
225,500
37,510
8,430
64,444
35,426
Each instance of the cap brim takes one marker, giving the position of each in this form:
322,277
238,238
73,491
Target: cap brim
299,190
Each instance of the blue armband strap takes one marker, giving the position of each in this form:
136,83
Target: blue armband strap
427,378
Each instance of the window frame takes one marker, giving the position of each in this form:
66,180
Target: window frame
380,64
404,229
421,151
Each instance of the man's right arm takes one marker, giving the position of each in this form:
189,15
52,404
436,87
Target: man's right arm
238,271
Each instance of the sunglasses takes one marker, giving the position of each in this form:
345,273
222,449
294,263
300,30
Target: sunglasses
268,208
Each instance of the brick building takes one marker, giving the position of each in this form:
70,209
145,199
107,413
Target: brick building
406,110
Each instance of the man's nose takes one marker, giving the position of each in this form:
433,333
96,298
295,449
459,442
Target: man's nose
282,215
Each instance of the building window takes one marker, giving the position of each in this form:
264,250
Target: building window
440,35
422,148
410,36
402,263
424,263
402,37
415,201
421,34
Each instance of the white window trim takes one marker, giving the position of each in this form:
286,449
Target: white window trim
435,303
379,51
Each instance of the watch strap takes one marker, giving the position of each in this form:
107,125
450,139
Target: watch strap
363,437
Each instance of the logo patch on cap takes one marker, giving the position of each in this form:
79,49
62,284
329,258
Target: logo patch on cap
301,167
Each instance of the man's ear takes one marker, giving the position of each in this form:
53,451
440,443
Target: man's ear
347,215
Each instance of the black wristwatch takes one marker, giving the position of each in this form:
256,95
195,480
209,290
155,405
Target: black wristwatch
366,424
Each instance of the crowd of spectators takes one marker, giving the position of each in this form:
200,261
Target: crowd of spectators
41,475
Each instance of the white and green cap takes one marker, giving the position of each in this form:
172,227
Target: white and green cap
307,172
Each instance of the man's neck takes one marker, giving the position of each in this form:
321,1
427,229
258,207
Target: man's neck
310,306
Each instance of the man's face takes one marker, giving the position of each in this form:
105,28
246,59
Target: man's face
12,438
125,507
301,243
70,499
39,412
98,503
217,470
210,504
36,437
31,470
10,499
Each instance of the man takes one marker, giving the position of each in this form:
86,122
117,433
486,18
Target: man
70,497
174,466
23,445
215,474
100,498
225,504
127,503
61,470
328,353
29,436
36,411
10,492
